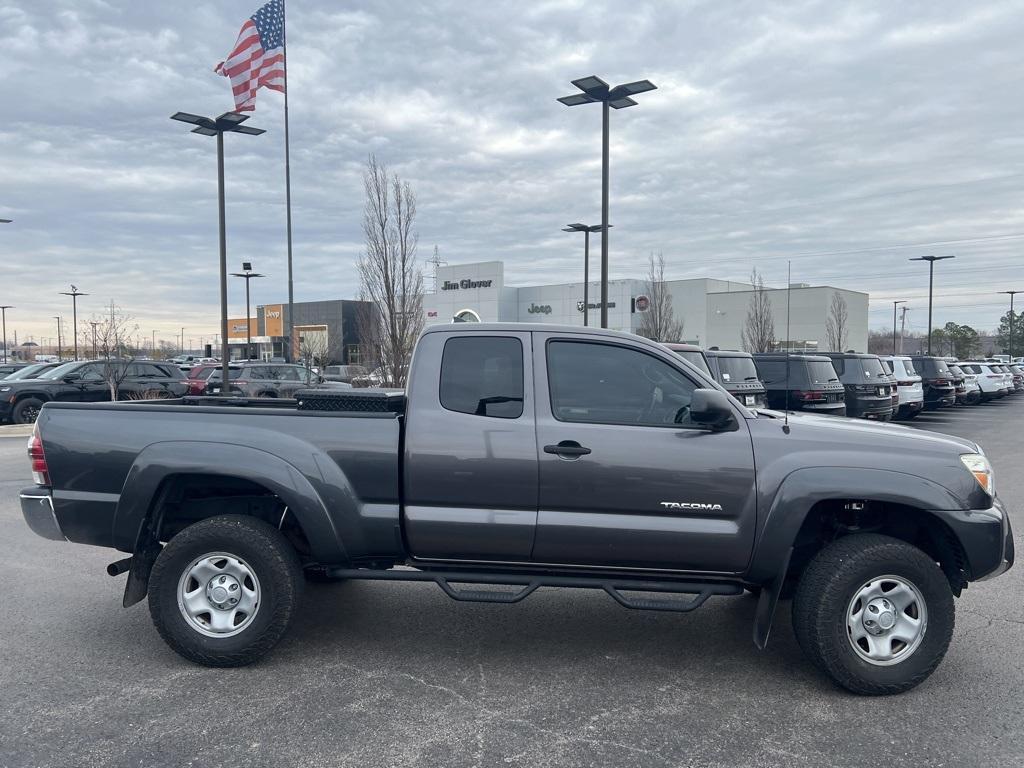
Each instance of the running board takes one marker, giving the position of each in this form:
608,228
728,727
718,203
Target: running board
529,583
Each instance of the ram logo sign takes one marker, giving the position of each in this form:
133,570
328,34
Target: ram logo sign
698,505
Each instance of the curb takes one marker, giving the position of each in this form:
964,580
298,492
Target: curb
16,430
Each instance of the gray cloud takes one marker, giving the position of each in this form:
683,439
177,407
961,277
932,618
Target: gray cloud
838,136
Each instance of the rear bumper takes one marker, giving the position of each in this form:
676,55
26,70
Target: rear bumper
37,509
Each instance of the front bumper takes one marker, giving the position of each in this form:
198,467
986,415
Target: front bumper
37,509
986,538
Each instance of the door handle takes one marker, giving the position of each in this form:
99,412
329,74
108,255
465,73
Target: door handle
567,448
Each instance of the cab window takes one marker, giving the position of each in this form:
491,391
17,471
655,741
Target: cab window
483,375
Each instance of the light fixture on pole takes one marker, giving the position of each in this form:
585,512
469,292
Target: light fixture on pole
594,89
586,230
3,314
247,274
931,274
1012,294
894,323
229,122
74,293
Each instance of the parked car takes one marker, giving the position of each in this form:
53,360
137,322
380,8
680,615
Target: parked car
1018,376
908,386
936,381
85,381
198,376
965,383
692,354
991,382
801,382
1011,380
343,373
532,456
956,376
31,371
6,369
737,373
866,384
269,380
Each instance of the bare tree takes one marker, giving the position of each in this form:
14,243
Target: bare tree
758,334
658,321
314,346
837,325
114,352
388,273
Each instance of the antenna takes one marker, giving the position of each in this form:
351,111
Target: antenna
789,291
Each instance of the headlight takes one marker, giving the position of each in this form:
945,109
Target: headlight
978,466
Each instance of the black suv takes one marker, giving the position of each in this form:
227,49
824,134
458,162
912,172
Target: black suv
937,380
867,384
87,381
270,380
812,383
737,373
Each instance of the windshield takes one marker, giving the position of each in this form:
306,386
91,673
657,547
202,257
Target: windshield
693,357
821,372
736,369
27,371
60,370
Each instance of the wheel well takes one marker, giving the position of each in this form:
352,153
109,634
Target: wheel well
35,395
832,519
187,498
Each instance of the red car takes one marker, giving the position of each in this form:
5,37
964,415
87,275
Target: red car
197,377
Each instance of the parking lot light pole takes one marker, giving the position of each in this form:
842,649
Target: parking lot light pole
247,274
586,230
594,89
894,304
74,293
931,274
229,122
59,345
3,314
93,323
1012,294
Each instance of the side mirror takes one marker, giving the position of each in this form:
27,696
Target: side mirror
70,378
711,408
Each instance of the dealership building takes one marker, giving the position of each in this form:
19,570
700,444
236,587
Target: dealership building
713,312
330,326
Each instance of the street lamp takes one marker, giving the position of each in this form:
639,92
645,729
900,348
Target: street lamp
894,324
74,293
59,345
3,314
595,89
586,230
1012,294
229,122
247,274
931,273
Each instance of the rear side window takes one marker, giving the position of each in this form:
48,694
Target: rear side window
773,371
483,376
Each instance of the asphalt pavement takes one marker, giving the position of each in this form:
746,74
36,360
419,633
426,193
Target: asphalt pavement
378,674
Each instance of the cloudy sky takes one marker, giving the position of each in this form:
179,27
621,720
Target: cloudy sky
847,137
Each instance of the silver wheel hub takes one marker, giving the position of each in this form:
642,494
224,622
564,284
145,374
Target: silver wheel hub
886,620
218,594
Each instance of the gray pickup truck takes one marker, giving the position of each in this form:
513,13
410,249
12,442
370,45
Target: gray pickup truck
527,456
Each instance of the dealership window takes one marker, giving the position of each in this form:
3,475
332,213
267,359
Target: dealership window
609,384
483,375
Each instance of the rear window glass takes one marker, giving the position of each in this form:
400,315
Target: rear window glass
693,357
860,369
483,376
773,371
821,372
908,367
737,369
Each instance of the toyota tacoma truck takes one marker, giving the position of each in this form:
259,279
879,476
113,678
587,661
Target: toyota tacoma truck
521,457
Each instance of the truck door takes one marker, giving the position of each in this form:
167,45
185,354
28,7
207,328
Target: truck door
470,461
626,480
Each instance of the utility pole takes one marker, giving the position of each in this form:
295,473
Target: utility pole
93,323
1012,294
903,326
59,345
3,314
894,323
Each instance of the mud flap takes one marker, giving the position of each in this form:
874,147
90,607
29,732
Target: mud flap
146,550
767,603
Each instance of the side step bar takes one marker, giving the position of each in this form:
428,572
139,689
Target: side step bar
529,583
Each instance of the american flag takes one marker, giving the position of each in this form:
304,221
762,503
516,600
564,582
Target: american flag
258,56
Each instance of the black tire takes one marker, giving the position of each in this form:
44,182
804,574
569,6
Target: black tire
270,558
824,594
26,411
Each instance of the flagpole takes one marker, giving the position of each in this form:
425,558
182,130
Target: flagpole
288,193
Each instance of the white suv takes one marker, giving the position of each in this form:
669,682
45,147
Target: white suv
991,381
908,385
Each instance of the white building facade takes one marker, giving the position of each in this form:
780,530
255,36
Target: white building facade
712,311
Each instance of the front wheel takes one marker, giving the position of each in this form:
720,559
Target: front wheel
26,411
875,613
224,590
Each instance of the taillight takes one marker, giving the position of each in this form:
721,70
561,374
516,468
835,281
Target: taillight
940,383
905,383
40,472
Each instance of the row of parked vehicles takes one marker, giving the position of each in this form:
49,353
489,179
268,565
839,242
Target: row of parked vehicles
855,384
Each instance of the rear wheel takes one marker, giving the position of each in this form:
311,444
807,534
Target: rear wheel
26,411
224,590
875,613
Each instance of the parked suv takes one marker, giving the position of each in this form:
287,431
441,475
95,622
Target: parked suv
957,377
991,381
1018,376
87,381
737,373
6,369
937,381
269,380
343,373
866,381
908,386
966,385
810,384
692,354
